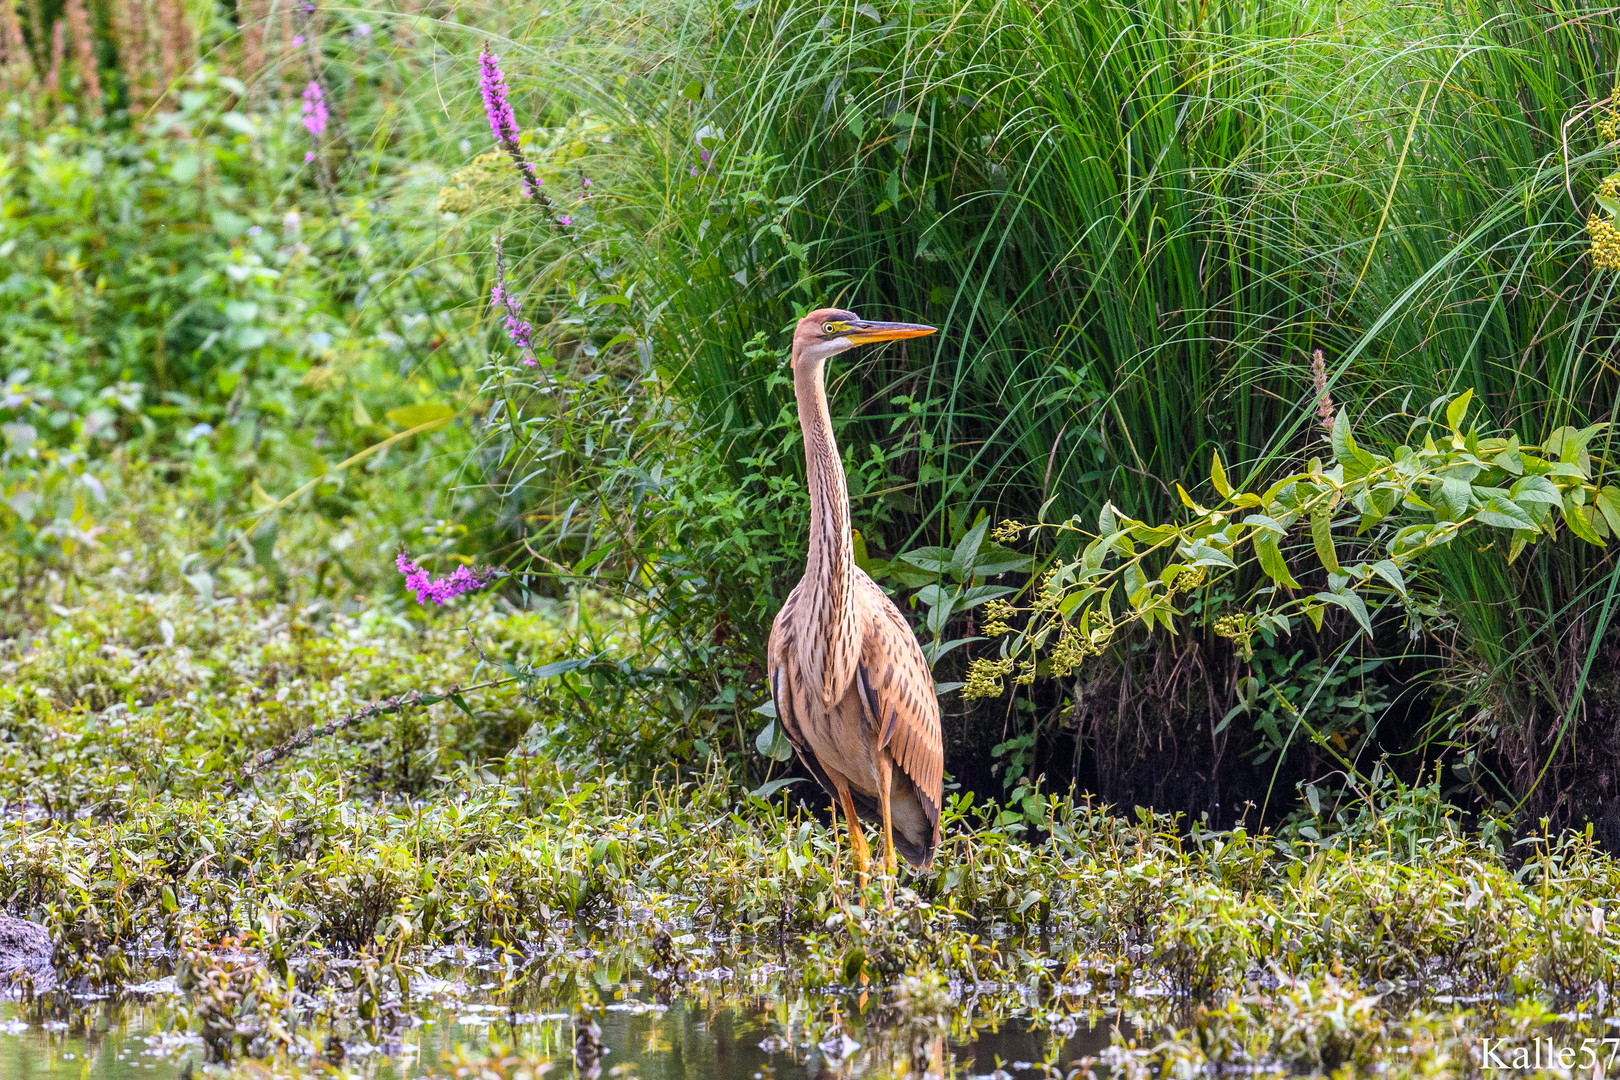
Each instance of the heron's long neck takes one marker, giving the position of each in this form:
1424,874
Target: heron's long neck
831,649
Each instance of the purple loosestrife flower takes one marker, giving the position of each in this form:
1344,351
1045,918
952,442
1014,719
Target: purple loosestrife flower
314,109
517,327
502,121
565,220
441,591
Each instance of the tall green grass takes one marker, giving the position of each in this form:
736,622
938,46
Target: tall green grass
1133,222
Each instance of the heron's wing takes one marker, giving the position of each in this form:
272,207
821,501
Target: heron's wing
789,698
898,691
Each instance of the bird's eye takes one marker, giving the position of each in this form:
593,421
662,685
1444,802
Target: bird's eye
829,328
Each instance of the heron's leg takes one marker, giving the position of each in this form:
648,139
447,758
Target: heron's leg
885,778
833,818
858,851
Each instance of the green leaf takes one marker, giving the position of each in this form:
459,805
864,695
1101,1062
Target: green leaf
1536,489
560,667
1392,574
968,550
936,560
1503,513
1350,602
1577,518
1322,539
773,743
1458,409
1451,497
1314,612
1271,559
771,787
1608,502
939,614
410,416
1217,475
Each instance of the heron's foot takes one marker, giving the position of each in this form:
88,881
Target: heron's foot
860,855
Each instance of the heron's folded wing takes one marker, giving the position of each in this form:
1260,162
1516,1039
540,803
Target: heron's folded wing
784,694
898,691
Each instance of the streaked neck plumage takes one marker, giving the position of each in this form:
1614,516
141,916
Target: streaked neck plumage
830,650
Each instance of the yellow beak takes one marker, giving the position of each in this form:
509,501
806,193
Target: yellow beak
864,333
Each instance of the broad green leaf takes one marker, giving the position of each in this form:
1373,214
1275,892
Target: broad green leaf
1135,580
933,653
980,594
1457,409
410,416
1322,539
1351,603
1503,513
1608,502
773,743
1392,574
1217,475
1107,520
1271,559
936,560
968,550
1451,497
1576,517
1261,521
1536,489
771,787
1314,612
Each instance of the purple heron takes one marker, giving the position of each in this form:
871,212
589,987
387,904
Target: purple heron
853,693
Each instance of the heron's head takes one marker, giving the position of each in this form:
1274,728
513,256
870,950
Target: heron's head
830,331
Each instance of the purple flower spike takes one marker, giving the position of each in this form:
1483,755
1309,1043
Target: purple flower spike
441,591
314,109
502,121
517,327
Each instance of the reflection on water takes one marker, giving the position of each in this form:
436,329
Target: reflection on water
715,1030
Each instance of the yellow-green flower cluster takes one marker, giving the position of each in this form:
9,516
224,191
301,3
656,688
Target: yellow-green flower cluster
1049,594
1073,646
997,618
1605,242
1239,629
1186,581
984,677
1007,531
1608,121
484,181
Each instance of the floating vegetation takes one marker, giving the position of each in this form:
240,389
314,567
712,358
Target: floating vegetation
450,891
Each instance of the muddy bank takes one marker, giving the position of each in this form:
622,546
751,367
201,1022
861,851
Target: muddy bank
25,955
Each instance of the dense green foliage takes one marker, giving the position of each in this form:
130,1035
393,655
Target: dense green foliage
1133,223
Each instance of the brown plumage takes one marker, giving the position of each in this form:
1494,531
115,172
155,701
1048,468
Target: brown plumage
852,691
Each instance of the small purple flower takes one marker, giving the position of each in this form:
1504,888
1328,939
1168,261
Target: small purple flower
441,591
565,220
314,109
309,156
502,121
694,170
703,156
298,39
517,327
